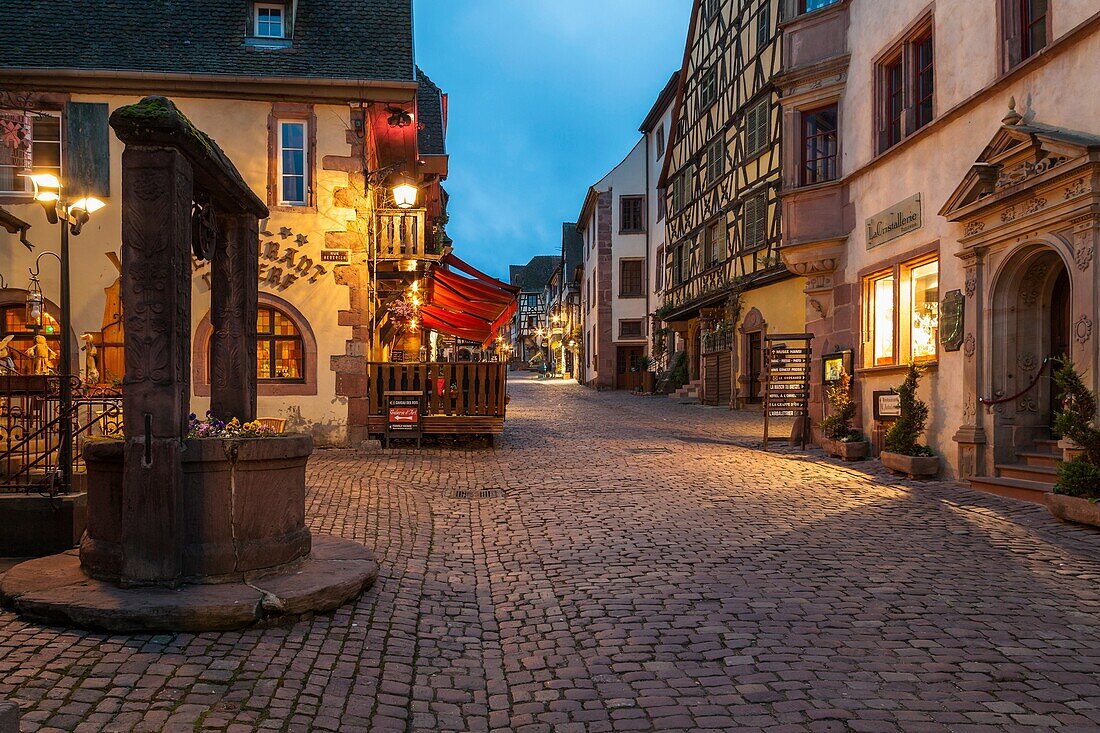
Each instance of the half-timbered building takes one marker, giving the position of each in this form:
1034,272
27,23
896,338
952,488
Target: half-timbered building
726,286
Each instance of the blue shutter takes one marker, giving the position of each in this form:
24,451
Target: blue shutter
87,153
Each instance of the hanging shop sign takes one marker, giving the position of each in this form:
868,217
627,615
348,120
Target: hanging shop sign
899,219
787,382
951,320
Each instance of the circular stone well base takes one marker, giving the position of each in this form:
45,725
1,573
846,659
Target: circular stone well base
54,590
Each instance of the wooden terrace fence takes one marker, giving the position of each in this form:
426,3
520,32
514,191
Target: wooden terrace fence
463,398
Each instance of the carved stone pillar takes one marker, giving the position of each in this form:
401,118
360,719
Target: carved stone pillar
157,188
1083,290
233,304
971,436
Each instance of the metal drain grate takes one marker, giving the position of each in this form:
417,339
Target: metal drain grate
490,493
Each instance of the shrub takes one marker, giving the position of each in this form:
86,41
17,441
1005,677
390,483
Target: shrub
838,425
1079,478
904,435
1075,420
678,372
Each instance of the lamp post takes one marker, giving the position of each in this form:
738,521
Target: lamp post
72,216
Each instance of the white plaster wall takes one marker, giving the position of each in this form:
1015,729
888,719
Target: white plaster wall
657,236
626,179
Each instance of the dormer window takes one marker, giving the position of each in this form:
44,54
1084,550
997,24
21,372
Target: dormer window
269,20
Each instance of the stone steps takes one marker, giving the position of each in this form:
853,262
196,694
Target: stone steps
1031,478
689,394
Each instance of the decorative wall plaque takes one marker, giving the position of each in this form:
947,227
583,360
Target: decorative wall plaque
951,320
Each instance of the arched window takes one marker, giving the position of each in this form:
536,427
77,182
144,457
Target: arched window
13,323
280,353
286,351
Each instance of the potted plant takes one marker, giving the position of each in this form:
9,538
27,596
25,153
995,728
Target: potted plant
904,454
840,439
648,383
1076,496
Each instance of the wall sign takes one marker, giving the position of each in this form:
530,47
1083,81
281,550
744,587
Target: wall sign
899,219
887,405
951,320
787,382
282,263
341,256
833,364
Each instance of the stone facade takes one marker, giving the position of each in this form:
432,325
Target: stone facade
1000,208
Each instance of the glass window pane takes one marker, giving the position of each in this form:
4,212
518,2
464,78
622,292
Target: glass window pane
293,135
263,359
288,360
292,163
882,320
925,320
263,321
294,189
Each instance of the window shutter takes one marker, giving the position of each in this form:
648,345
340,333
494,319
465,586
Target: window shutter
86,150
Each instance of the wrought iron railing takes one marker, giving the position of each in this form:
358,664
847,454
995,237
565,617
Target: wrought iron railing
33,424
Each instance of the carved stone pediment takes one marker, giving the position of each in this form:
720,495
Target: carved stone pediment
1018,157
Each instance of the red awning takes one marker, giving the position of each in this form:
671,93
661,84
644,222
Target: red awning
472,307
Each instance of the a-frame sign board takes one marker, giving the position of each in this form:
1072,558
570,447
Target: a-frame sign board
787,382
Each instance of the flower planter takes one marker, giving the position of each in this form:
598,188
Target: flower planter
649,382
1074,509
911,466
242,507
853,450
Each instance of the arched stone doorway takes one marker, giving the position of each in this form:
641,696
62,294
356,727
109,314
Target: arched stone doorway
1031,321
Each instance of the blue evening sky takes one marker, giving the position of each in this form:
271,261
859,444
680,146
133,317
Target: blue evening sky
545,97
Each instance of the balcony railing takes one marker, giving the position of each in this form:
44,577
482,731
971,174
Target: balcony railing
401,234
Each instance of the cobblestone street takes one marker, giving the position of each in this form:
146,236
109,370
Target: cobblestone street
647,568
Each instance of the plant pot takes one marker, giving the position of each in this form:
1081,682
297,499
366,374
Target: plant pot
911,466
649,382
853,450
1074,509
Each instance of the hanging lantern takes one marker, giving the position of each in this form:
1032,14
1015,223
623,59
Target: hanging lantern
35,306
404,194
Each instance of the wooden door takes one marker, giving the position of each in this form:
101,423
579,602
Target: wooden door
628,374
756,366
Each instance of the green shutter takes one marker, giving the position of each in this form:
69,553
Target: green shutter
87,152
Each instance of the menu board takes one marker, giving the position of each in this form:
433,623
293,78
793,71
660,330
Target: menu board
787,381
403,416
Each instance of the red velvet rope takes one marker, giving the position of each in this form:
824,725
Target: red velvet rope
1022,392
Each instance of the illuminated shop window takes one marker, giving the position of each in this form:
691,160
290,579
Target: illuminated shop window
901,315
29,141
14,325
280,355
925,310
882,321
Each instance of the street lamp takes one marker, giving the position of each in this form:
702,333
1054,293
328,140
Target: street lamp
404,193
73,216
